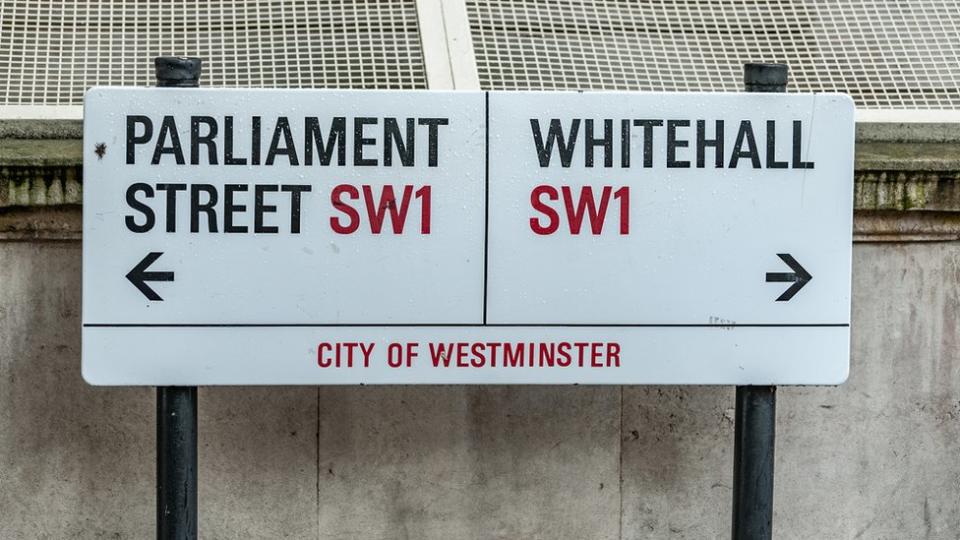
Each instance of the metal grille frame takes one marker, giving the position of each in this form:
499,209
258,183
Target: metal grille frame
52,51
885,54
899,60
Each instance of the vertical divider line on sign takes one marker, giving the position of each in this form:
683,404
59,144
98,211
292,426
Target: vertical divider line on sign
486,199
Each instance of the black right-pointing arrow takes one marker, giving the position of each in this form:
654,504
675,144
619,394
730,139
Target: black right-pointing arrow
139,276
799,277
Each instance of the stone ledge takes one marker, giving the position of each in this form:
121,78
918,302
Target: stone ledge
890,176
40,186
907,191
40,172
896,226
903,191
26,224
889,156
41,129
65,223
909,132
41,153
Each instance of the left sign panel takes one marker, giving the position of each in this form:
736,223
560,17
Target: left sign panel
258,207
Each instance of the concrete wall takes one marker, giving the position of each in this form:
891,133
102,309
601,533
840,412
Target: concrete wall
877,458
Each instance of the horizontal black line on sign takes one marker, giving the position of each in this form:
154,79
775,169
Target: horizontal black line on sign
458,325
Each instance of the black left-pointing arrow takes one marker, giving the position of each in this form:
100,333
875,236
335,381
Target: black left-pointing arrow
139,276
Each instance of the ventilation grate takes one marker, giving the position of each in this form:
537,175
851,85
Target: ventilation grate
52,51
886,54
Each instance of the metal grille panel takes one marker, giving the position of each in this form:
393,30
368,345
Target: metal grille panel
52,51
886,54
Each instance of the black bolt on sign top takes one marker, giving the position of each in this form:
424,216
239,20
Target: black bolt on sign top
177,405
756,413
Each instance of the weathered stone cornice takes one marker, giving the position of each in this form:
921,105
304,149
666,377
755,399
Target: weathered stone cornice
904,190
907,183
37,172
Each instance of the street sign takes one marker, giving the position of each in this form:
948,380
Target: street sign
344,237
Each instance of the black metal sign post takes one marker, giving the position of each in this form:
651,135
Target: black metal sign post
177,405
756,417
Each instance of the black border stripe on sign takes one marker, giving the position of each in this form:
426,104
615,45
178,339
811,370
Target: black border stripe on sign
461,325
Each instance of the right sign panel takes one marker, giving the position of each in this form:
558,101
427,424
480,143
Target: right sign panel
678,217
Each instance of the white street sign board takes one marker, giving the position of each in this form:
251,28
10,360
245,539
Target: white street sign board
344,237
